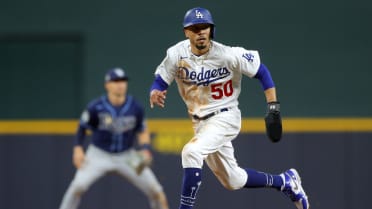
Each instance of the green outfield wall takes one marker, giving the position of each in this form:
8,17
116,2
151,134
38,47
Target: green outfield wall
53,54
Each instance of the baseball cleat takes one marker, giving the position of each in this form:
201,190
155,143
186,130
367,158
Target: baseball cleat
292,188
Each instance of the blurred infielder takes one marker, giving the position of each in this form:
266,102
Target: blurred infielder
116,120
208,75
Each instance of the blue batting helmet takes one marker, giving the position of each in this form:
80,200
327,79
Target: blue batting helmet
198,15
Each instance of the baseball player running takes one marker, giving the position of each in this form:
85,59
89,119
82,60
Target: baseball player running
116,120
208,75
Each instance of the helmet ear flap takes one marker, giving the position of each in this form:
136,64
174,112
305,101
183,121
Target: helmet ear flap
213,31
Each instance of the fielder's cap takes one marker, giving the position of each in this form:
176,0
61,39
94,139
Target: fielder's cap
116,74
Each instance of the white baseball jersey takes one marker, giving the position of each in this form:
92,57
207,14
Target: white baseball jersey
211,81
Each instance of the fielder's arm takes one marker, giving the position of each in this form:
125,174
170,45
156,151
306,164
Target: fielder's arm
78,150
144,152
144,140
78,156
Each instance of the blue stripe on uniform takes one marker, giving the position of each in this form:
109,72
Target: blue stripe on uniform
112,111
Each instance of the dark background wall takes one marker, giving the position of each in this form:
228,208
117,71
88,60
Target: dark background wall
335,167
53,56
318,51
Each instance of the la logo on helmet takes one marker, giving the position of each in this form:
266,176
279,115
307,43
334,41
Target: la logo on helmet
198,14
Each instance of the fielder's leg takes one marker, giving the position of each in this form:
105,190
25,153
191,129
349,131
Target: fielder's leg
145,182
93,168
79,185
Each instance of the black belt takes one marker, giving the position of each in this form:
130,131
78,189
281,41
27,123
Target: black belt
205,117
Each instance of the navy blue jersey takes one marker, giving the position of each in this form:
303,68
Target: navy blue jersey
114,129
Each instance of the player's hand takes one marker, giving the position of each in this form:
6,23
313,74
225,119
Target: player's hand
145,156
158,98
273,121
78,156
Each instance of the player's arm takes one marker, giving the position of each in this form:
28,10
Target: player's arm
164,76
144,141
270,95
144,151
78,150
158,92
273,119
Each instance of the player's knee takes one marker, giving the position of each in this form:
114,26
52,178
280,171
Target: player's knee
233,181
191,156
157,196
158,200
79,188
231,184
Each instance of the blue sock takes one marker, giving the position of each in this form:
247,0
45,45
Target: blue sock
190,186
258,179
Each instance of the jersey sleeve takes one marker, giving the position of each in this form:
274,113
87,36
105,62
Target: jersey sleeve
140,126
247,61
167,68
85,123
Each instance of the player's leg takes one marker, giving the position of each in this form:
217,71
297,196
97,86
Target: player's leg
232,175
293,189
145,182
210,135
224,166
93,168
192,162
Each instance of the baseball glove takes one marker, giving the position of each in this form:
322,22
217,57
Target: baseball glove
273,122
142,160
